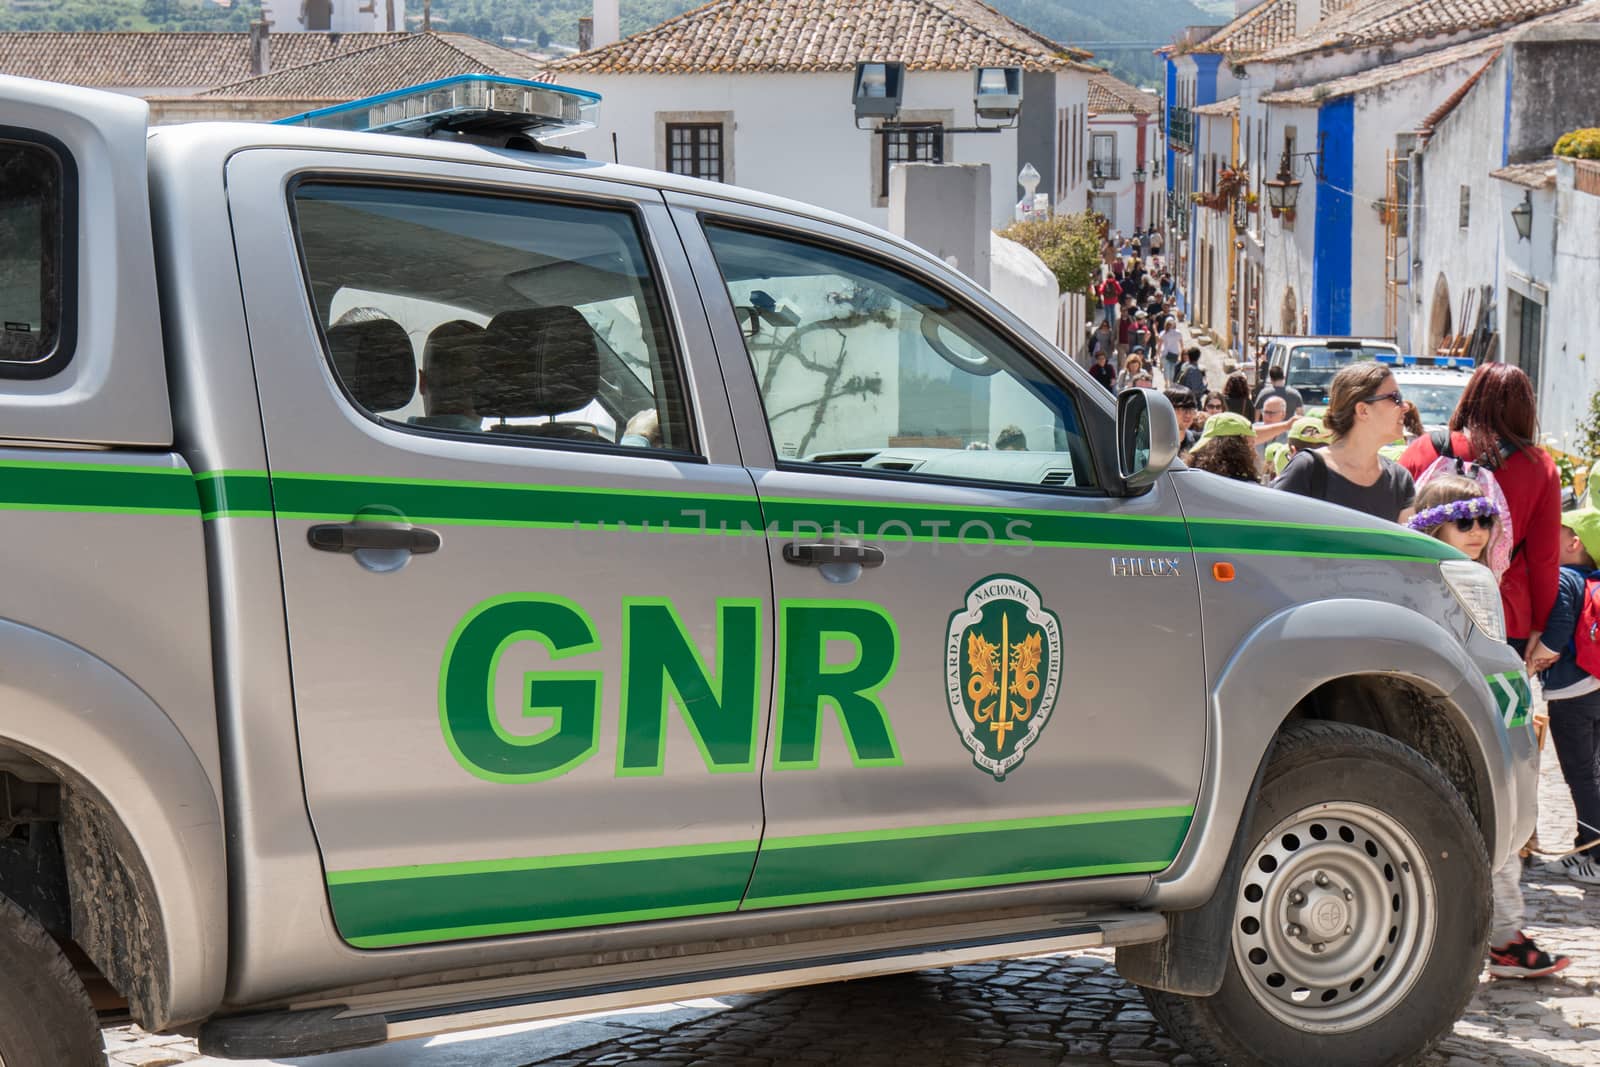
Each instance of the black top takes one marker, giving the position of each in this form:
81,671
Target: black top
1385,498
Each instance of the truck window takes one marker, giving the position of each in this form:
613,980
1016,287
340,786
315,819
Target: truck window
1312,367
863,367
458,313
32,242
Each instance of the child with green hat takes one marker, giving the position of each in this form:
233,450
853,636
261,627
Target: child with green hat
1307,432
1573,693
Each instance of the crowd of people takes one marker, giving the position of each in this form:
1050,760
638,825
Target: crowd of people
1487,489
1483,486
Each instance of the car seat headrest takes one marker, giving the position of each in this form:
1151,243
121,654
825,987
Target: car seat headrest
538,361
450,363
376,363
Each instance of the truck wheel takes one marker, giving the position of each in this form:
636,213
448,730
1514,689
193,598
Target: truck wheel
1362,912
45,1013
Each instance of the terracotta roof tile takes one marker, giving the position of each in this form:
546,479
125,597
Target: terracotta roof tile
166,60
1379,22
1108,96
1540,174
786,36
1427,62
1230,106
385,67
1262,27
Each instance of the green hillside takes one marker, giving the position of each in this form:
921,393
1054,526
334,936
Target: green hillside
541,23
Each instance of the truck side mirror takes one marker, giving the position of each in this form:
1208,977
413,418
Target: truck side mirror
1147,437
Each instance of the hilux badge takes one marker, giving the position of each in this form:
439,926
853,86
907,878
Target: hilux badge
1002,671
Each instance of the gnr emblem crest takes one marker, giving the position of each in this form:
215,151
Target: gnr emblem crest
1002,671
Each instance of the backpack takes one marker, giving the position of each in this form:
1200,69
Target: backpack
1110,292
1586,635
1501,546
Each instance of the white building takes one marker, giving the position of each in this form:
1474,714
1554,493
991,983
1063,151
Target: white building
1338,88
334,16
1212,237
1126,152
1481,175
760,95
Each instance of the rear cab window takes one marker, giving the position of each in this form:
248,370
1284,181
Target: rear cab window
469,314
35,277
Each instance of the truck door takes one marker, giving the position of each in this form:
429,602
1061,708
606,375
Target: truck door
528,682
989,667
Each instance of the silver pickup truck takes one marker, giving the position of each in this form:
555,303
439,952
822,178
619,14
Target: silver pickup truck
453,583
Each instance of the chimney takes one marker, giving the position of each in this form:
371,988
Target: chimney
260,50
1307,13
585,33
607,23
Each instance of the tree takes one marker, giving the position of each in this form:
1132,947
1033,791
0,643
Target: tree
1068,244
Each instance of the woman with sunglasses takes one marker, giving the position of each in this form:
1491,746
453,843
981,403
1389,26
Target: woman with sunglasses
1495,425
1365,412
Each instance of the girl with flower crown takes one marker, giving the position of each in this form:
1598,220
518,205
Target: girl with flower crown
1457,511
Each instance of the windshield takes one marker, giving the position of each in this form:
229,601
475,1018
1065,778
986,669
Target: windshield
1436,402
1312,367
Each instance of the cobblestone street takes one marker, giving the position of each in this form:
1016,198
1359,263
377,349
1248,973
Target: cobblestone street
1047,1010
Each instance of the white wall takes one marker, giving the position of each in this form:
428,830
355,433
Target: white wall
1464,148
794,135
1287,245
1562,243
349,16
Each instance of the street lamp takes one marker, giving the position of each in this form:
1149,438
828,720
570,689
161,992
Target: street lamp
1097,180
1138,175
1283,192
1522,216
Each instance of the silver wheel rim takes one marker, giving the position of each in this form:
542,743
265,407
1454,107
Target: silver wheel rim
1335,917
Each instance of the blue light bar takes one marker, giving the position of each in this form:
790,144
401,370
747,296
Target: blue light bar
1448,362
466,103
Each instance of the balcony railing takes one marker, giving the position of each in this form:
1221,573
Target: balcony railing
1181,128
1109,169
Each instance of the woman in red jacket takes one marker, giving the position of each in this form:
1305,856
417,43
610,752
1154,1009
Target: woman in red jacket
1495,425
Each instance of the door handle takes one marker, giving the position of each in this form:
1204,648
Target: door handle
814,555
354,536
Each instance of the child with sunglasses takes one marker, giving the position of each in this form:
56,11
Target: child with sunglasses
1458,512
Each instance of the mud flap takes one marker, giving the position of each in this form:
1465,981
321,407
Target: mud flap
1192,959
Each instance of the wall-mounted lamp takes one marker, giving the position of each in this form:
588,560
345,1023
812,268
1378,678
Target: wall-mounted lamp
997,93
1522,216
1097,179
1284,191
1138,174
878,88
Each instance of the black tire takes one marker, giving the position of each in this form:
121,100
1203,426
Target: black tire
1326,764
46,1018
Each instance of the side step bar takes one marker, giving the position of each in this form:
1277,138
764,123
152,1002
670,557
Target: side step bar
373,1019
